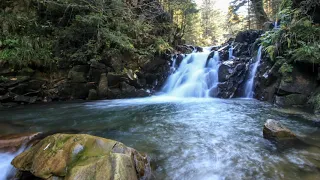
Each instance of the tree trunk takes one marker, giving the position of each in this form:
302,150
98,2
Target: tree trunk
259,12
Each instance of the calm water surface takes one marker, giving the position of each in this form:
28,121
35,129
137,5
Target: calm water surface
185,138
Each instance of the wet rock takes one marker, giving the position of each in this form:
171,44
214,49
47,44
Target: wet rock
96,69
127,90
184,49
115,79
154,65
225,71
114,93
9,104
7,97
11,143
275,130
12,81
36,84
292,100
78,74
6,71
2,91
83,157
267,81
199,49
249,36
301,83
294,112
179,59
93,95
78,90
231,76
103,86
314,101
25,99
19,89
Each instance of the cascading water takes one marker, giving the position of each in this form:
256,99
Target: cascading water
6,169
195,77
252,73
231,52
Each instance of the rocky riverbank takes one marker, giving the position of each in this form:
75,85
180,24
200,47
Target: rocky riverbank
87,81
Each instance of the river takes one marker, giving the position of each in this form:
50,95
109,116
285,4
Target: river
186,138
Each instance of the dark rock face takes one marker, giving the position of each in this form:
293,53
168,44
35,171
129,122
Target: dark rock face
266,81
275,130
93,95
233,72
273,87
248,37
231,76
78,74
301,84
96,69
313,11
184,49
103,86
291,100
96,80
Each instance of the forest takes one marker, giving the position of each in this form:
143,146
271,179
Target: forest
159,89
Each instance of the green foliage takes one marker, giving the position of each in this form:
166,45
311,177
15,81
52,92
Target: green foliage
297,39
3,79
286,70
22,51
161,46
65,32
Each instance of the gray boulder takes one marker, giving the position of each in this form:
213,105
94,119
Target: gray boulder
103,86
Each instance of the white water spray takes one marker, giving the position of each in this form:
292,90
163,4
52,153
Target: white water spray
252,73
231,52
195,77
6,169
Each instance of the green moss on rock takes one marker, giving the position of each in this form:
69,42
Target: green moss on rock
82,157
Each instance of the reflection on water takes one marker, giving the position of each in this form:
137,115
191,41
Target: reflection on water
186,138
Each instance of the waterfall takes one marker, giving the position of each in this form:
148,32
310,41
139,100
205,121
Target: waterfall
195,77
6,169
231,52
252,73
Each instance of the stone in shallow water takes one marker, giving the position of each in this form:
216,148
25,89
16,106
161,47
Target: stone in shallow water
275,130
83,157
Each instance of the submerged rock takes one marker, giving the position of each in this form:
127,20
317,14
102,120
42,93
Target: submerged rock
315,119
275,130
82,157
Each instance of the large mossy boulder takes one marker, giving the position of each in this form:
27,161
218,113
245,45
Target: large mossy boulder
275,130
82,157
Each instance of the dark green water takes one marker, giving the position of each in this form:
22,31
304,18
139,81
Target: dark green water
185,138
